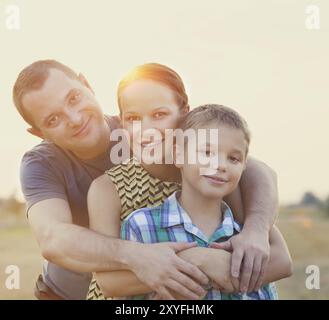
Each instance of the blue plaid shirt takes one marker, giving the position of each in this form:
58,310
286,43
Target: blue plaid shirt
170,222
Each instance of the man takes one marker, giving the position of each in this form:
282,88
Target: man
60,108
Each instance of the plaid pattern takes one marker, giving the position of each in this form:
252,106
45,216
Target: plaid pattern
170,222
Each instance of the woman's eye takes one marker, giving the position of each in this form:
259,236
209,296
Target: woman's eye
207,153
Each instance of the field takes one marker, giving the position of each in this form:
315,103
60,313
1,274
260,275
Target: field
306,232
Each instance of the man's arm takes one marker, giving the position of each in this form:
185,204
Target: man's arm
71,246
259,195
213,262
125,283
279,266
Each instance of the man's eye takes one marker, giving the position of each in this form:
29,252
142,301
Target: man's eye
53,121
75,98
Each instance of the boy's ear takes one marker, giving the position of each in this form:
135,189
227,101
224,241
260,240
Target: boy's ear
84,81
35,132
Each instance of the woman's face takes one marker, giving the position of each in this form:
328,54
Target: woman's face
148,108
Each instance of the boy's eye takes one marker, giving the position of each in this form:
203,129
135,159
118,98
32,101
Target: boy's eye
234,159
159,115
53,121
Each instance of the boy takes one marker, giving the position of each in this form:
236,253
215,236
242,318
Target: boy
197,213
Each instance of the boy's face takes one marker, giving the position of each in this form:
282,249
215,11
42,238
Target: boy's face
227,160
65,111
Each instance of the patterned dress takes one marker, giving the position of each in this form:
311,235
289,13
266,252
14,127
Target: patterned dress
137,189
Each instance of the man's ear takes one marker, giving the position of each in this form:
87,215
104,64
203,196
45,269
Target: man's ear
35,132
84,81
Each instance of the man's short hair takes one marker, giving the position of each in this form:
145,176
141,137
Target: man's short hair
32,78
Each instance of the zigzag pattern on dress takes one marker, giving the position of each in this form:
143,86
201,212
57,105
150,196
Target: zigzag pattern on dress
137,189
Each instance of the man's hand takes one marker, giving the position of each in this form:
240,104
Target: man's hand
250,256
161,269
215,264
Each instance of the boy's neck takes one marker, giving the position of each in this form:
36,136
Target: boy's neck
204,212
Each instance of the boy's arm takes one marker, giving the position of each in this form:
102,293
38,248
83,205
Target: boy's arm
251,249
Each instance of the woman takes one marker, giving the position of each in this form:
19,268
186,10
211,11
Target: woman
155,96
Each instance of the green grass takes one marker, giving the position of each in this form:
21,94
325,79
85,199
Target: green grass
305,231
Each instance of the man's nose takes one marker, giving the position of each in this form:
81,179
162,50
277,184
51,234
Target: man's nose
75,118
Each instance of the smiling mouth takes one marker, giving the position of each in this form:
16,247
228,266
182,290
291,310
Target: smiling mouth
82,129
215,179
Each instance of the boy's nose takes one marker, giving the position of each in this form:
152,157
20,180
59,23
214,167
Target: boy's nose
222,164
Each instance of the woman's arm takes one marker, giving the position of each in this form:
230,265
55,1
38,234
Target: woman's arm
156,265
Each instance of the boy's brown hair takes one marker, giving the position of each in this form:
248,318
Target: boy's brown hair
214,113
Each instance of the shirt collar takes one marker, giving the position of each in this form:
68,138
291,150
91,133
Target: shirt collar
173,214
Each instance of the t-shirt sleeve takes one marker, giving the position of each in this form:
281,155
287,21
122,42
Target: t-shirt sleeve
39,181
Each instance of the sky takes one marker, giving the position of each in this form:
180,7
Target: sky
258,57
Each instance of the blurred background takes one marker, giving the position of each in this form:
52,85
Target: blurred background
260,57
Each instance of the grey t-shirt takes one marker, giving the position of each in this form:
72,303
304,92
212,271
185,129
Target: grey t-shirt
47,172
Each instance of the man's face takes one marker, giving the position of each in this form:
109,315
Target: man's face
66,112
